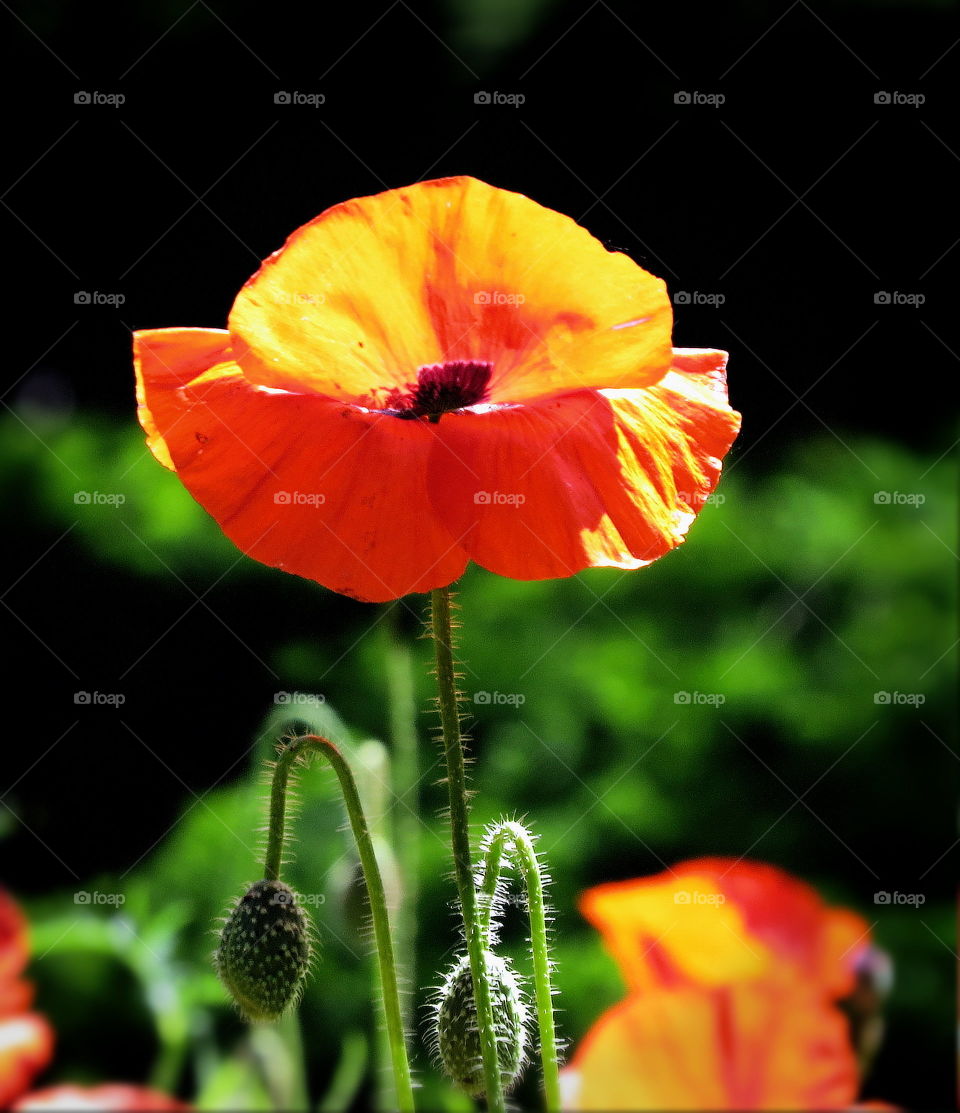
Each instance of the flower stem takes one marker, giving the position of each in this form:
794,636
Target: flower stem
460,838
278,814
514,840
292,751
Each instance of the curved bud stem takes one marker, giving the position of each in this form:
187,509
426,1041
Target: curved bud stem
515,841
293,751
460,837
276,835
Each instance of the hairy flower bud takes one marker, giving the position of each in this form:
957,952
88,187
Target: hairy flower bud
264,950
456,1037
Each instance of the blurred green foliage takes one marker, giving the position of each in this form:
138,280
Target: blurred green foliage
798,598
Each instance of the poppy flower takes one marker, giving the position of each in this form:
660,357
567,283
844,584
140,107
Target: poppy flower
719,921
26,1039
735,973
438,374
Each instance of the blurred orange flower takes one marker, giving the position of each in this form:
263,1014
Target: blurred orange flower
26,1040
572,434
734,969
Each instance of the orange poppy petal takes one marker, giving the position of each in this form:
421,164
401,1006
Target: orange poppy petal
675,929
326,491
751,1047
715,921
26,1044
113,1096
453,269
173,357
789,917
588,479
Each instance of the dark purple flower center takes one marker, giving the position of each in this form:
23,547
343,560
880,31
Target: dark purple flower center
443,387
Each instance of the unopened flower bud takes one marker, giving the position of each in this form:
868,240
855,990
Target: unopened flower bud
264,950
456,1036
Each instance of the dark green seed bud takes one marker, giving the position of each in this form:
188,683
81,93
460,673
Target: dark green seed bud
456,1037
264,950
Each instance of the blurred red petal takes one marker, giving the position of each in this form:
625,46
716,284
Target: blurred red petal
112,1096
26,1044
14,944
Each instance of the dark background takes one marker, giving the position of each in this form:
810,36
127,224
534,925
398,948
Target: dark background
797,200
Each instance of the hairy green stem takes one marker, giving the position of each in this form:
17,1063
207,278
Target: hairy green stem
460,838
278,815
514,841
292,751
